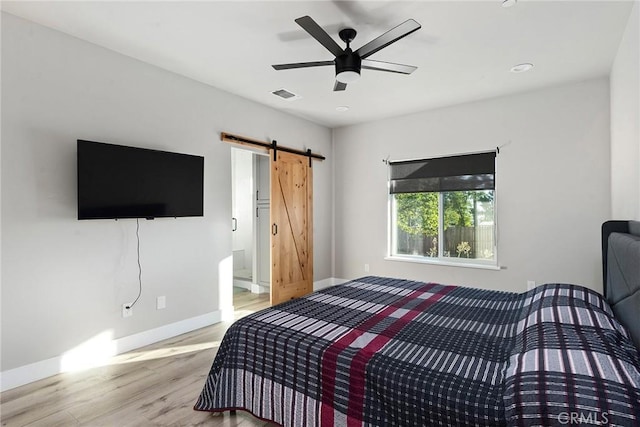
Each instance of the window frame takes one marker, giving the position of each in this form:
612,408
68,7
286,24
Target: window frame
492,264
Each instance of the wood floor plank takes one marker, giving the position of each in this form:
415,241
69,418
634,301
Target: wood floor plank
156,385
28,410
58,419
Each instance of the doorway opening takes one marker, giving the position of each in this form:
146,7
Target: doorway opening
250,189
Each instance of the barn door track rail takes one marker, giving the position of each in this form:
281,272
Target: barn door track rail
273,145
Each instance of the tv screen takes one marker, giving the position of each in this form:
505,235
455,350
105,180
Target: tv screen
116,181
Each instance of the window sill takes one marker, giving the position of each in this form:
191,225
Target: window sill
424,260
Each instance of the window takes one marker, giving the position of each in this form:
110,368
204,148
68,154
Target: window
443,209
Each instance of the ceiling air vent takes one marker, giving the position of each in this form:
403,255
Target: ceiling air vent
286,95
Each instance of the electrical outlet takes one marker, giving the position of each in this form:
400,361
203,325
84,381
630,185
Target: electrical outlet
161,302
366,268
127,312
531,284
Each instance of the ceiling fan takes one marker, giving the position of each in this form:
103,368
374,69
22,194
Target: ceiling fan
347,62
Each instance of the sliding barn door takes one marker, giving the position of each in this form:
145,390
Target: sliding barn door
291,227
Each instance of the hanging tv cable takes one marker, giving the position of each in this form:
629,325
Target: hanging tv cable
139,266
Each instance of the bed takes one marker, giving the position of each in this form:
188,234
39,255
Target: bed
390,352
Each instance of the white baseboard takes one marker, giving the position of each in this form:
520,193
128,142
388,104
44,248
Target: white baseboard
325,283
244,284
259,289
45,368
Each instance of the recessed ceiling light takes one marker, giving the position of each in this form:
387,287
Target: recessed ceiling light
342,108
521,68
509,3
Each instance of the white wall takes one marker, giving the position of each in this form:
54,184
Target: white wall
625,123
64,280
552,179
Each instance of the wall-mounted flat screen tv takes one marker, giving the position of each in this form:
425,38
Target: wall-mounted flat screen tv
116,181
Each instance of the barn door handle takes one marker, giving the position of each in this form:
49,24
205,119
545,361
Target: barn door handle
235,224
274,229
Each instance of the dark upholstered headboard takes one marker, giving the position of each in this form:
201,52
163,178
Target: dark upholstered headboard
621,272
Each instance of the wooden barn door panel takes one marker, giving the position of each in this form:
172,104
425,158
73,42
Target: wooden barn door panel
292,228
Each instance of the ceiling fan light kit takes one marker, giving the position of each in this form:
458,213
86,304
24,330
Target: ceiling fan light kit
348,64
347,76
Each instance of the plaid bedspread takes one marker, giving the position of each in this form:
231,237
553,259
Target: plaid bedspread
389,352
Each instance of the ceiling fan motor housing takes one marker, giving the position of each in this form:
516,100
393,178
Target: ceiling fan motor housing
348,61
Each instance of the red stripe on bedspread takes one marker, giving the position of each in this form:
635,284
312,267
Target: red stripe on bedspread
362,357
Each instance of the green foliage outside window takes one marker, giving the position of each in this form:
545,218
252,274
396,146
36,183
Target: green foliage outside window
417,215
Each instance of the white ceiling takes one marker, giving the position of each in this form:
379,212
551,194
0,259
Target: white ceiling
463,52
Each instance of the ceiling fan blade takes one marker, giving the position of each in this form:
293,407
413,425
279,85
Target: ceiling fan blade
316,31
302,65
388,66
339,86
393,35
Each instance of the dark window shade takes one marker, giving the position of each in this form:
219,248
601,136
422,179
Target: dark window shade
455,173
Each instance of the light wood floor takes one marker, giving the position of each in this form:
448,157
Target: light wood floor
155,385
